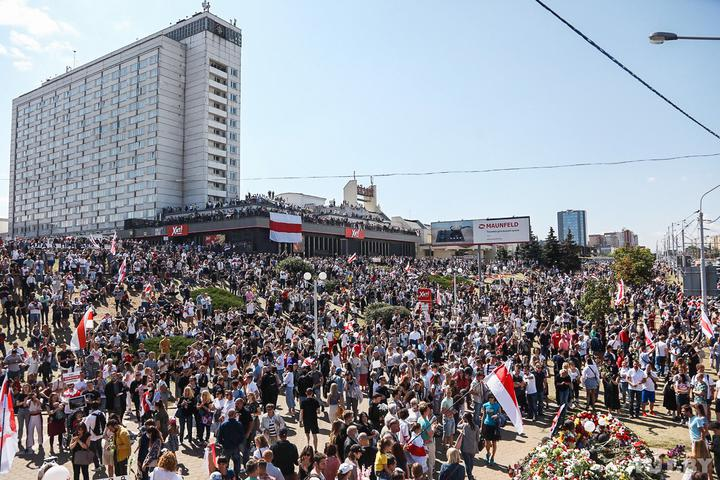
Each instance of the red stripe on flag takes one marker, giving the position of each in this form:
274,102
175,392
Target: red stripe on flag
286,227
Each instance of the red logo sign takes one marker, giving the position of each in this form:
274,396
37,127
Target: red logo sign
177,230
358,233
424,295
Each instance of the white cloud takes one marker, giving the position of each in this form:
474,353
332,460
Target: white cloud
22,65
651,180
22,40
37,21
3,50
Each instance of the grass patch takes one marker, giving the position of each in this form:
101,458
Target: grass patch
221,299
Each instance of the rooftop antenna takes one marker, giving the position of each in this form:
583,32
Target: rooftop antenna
74,52
206,6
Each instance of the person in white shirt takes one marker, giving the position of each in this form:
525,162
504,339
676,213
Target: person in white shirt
648,393
636,382
661,351
591,381
530,392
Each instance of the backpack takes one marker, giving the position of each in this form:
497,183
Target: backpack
100,422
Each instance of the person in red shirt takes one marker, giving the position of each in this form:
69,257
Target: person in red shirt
555,340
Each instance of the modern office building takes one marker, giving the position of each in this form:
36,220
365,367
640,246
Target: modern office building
573,221
151,125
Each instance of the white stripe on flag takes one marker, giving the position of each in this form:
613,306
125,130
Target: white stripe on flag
504,399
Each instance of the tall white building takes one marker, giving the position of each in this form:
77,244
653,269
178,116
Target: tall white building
151,125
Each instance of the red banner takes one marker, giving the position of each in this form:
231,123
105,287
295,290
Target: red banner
357,233
424,295
177,230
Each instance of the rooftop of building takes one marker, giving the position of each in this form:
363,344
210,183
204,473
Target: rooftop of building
70,72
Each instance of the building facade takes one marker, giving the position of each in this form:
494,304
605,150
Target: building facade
151,125
574,222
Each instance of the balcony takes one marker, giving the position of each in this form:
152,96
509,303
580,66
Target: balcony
217,99
218,72
217,165
216,151
216,193
217,138
218,85
217,111
217,125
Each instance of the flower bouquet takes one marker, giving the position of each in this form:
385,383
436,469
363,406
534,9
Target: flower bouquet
589,446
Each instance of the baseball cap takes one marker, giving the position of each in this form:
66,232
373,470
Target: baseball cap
345,468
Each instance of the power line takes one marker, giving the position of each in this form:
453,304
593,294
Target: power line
490,170
630,72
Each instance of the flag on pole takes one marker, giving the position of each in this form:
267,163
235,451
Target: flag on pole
705,325
9,439
680,297
648,337
407,267
122,273
620,294
113,244
438,298
556,420
148,289
352,258
500,383
285,228
79,336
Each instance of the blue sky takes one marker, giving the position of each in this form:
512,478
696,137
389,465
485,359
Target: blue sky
332,87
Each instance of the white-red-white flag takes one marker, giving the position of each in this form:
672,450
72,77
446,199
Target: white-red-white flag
620,294
554,425
285,228
680,297
308,362
9,438
148,289
352,258
79,336
648,337
500,383
705,324
113,244
407,267
438,297
122,273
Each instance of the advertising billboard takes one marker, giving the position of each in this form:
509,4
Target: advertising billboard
491,231
501,230
177,230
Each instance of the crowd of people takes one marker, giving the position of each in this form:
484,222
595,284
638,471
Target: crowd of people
404,394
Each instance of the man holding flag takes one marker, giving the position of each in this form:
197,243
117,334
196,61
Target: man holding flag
8,431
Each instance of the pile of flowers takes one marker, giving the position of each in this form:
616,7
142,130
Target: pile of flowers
590,446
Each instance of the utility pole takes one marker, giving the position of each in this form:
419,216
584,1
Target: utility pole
682,234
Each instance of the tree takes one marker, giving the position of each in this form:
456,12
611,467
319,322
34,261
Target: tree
634,265
570,260
595,304
531,251
502,254
551,250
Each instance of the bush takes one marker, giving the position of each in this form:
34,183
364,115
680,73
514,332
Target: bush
446,282
221,299
382,312
295,265
331,285
178,345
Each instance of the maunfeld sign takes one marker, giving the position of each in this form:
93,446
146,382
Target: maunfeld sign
501,230
490,231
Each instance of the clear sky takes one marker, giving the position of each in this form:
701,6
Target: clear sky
333,87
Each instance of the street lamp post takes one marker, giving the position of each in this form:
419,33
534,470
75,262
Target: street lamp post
454,272
703,280
322,276
658,38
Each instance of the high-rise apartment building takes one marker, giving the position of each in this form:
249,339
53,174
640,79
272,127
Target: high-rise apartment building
573,221
151,125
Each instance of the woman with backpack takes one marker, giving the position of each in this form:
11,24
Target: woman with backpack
468,442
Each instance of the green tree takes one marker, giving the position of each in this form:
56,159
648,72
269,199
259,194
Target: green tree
551,250
570,259
595,303
634,265
502,254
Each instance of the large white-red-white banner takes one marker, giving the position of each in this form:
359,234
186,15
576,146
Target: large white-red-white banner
285,228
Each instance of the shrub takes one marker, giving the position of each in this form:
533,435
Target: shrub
382,312
221,299
178,345
446,281
331,285
295,265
